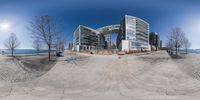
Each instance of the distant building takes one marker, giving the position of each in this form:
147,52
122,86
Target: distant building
154,41
71,45
133,34
160,44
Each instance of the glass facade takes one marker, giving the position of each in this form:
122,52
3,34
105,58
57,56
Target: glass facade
154,40
130,28
121,35
137,31
101,42
108,40
85,38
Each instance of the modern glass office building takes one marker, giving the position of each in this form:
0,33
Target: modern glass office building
85,38
133,34
154,40
136,32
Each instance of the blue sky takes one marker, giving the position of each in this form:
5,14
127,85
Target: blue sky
162,15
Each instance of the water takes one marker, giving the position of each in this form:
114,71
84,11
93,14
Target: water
23,51
190,51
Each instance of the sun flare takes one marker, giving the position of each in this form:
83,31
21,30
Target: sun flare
5,26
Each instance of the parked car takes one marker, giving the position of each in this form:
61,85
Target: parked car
59,54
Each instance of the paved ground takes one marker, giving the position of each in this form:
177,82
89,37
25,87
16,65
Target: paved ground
154,76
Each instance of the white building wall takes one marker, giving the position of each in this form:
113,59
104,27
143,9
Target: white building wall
77,48
125,45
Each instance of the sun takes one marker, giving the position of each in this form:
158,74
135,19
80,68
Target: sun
5,26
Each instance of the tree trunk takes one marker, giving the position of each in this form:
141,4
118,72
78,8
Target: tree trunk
176,51
171,51
156,48
37,52
49,48
12,52
49,52
186,51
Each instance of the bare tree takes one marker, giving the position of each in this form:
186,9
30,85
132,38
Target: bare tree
169,43
186,44
37,44
60,43
12,42
175,39
46,29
